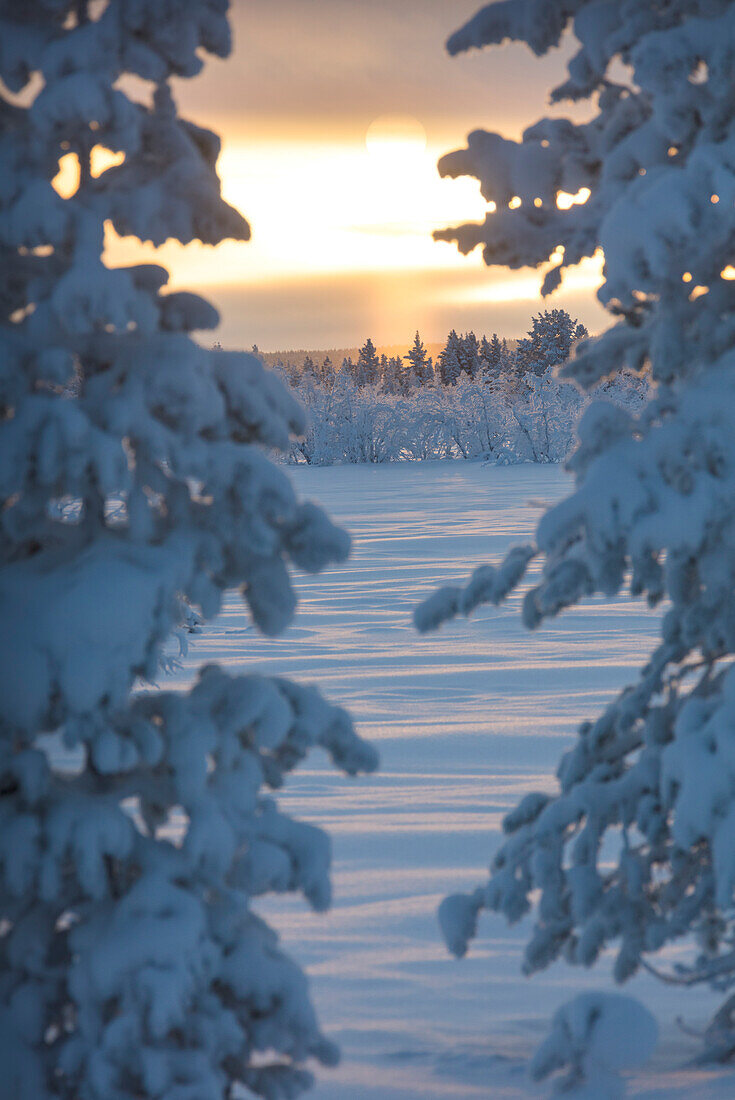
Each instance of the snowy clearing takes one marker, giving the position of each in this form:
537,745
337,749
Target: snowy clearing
466,720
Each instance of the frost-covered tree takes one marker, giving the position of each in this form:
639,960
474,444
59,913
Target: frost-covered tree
549,341
327,373
481,417
448,360
496,360
450,367
309,368
545,411
420,366
393,375
636,848
348,368
490,349
137,827
367,368
469,354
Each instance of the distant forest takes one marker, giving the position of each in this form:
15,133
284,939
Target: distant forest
548,342
474,398
295,356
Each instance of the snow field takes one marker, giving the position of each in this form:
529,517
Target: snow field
466,720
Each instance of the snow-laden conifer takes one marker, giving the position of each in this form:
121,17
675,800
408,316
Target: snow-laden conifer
549,341
420,369
394,376
636,847
470,355
136,825
367,368
448,364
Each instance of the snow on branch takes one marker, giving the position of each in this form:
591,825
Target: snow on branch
634,850
487,585
138,827
593,1037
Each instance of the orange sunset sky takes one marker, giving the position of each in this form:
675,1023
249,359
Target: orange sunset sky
332,115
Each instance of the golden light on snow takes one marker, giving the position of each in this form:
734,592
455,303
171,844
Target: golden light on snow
564,200
697,292
714,198
515,202
686,277
728,272
66,181
103,158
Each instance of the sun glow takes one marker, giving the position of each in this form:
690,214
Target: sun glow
326,211
565,201
583,277
329,208
395,135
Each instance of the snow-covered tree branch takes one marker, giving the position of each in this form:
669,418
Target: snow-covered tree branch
134,486
652,779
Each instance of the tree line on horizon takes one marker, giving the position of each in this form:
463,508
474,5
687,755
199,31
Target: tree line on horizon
548,342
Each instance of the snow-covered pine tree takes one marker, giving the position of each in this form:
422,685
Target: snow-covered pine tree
549,341
653,777
420,366
308,368
382,369
461,354
470,355
402,374
292,372
367,368
136,827
327,372
487,348
392,375
448,361
450,368
491,356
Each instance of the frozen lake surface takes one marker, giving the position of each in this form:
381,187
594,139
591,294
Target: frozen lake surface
467,720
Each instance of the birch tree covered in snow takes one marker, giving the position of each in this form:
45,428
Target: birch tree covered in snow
134,487
636,848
